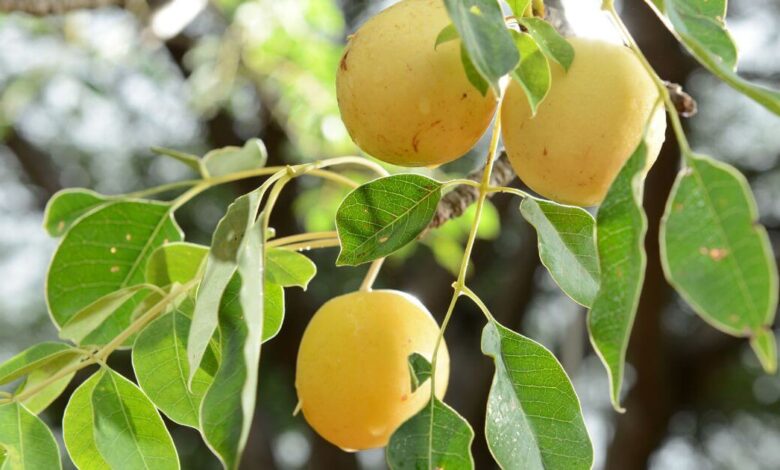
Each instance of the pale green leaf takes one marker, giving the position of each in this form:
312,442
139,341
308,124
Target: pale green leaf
621,225
251,156
447,34
534,418
27,442
33,358
567,246
105,251
419,370
764,345
175,262
472,74
78,427
289,268
382,216
519,7
273,314
41,399
188,159
480,24
554,46
436,437
128,431
533,71
161,367
714,251
67,206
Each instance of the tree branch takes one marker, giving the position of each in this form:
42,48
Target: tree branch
54,7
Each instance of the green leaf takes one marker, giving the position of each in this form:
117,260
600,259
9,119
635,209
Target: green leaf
273,314
33,358
436,437
221,264
533,71
567,246
765,346
161,367
382,216
700,26
554,46
480,24
46,395
128,431
519,7
714,251
447,34
289,268
109,314
27,442
228,160
472,74
419,370
621,225
188,159
175,262
534,418
78,427
67,206
106,251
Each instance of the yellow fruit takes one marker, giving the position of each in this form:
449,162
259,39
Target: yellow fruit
403,101
588,126
352,374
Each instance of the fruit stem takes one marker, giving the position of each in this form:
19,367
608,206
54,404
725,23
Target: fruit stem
373,272
663,92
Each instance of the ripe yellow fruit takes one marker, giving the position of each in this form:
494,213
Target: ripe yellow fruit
352,375
403,101
588,126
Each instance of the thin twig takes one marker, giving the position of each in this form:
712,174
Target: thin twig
54,7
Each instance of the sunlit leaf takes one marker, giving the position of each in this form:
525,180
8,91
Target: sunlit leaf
289,268
78,427
764,345
447,34
621,225
27,442
383,215
188,159
273,315
436,437
554,46
105,251
480,24
534,418
43,397
228,160
419,370
533,71
714,251
567,246
128,431
519,7
67,206
33,358
175,262
161,367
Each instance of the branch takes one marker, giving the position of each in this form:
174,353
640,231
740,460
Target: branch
54,7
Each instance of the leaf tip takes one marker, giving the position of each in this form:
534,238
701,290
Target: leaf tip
765,347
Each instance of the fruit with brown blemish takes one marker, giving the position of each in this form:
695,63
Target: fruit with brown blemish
404,101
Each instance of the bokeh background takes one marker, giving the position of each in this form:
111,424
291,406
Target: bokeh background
83,97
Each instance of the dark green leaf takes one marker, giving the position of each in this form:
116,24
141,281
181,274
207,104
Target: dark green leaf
554,46
714,251
567,246
480,24
161,367
436,437
105,251
533,71
175,262
383,215
78,427
289,268
621,225
419,370
27,442
67,206
534,418
33,358
235,159
476,80
128,431
448,33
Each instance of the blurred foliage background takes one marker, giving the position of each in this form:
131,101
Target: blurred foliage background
83,97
